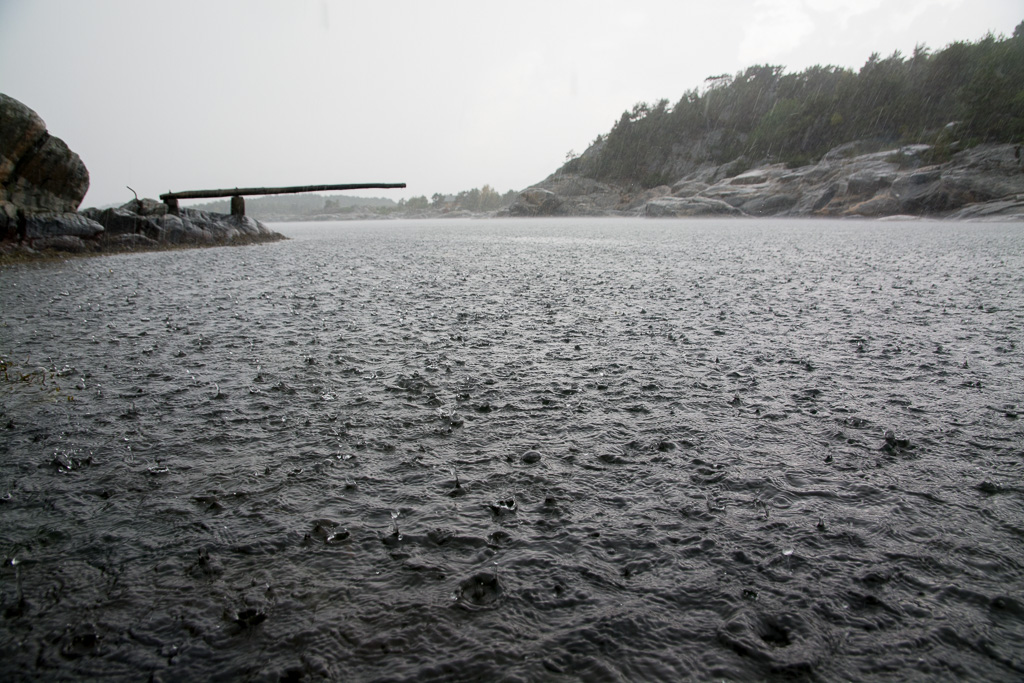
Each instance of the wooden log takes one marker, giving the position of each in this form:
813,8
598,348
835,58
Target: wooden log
238,192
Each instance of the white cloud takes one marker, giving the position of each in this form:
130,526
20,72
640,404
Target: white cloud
772,29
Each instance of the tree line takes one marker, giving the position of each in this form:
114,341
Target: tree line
965,94
476,200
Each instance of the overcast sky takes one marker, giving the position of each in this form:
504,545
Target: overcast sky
443,95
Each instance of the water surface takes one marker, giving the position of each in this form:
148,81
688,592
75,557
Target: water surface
520,450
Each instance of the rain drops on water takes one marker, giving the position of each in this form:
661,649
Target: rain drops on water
395,514
609,492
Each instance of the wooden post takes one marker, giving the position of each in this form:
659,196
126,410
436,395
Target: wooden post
237,206
172,205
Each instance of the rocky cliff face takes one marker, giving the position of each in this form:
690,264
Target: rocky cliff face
38,173
984,181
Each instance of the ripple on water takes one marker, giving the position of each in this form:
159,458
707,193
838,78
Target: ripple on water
622,450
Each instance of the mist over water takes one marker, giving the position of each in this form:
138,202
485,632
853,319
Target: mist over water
520,450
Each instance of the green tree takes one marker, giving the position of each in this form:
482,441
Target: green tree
763,114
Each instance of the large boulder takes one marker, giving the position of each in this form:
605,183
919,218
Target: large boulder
568,194
37,170
535,201
48,225
121,221
173,229
20,130
42,182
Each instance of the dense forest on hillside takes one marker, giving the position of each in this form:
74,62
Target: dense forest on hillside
957,97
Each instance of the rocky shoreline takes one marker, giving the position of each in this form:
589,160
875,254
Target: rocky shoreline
986,181
139,225
42,183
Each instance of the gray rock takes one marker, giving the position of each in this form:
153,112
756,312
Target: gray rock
192,227
574,195
20,129
1001,160
769,205
49,225
42,182
882,204
688,188
869,181
569,185
684,207
933,192
67,243
129,242
639,201
146,207
37,170
8,221
171,229
1010,208
121,221
759,176
535,201
861,178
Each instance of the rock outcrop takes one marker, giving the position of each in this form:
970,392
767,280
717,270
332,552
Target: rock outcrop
147,223
535,201
42,184
38,175
685,207
982,182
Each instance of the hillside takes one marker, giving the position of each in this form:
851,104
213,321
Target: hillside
963,95
901,114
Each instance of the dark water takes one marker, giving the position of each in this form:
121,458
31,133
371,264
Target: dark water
552,450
